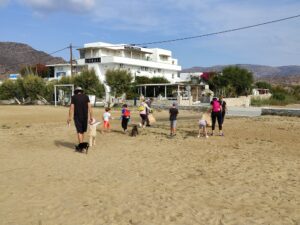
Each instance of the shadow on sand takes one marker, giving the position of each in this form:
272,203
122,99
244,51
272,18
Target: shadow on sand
60,143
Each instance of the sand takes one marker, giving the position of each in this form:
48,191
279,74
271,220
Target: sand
249,176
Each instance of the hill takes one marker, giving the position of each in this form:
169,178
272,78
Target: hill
13,56
257,70
275,75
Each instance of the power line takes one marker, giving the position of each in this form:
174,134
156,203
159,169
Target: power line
219,32
177,39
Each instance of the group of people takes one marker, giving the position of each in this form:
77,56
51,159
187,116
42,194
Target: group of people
81,110
216,113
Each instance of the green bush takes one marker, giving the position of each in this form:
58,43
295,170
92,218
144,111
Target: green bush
233,81
279,99
90,83
119,81
263,85
8,89
33,86
49,90
278,96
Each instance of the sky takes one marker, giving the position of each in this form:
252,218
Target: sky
50,25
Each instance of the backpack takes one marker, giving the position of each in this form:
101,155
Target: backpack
141,108
126,113
216,106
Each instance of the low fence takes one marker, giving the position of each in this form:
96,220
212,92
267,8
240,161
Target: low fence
281,112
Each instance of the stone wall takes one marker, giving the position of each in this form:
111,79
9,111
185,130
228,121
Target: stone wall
240,101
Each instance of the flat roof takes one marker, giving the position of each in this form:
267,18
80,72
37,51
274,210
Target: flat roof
120,47
64,64
169,84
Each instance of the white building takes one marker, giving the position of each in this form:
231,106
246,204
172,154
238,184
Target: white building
63,70
140,61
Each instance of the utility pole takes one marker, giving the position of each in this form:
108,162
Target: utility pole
71,59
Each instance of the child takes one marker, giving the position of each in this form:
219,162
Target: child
125,117
173,111
202,125
106,118
93,132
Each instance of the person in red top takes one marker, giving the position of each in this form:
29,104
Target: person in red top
216,114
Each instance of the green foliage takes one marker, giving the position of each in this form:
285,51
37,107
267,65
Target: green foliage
66,80
39,69
8,89
153,80
158,80
119,81
233,81
280,96
296,92
89,81
263,85
49,90
240,79
272,101
29,86
142,80
33,86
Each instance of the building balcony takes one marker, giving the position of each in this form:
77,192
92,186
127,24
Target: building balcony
136,62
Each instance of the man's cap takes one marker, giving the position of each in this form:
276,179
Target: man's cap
78,89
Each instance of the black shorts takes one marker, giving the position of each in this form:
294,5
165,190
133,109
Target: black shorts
81,125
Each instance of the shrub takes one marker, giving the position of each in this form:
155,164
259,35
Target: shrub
278,96
90,83
119,81
33,86
263,84
8,89
49,91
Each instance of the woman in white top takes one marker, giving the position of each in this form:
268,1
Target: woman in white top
143,113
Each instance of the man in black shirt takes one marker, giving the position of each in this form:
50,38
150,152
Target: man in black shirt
173,111
224,107
80,107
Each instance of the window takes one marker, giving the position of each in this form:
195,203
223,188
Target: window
122,66
93,60
173,76
178,75
82,54
60,74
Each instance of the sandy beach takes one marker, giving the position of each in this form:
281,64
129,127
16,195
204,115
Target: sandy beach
249,176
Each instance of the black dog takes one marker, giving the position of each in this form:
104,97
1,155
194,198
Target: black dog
134,131
82,146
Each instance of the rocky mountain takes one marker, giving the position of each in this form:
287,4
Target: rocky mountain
257,70
14,56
